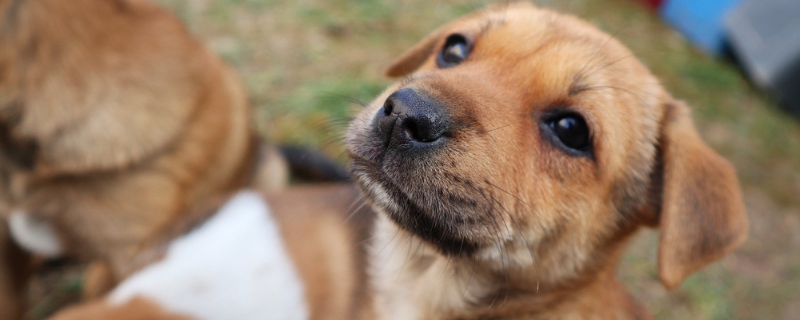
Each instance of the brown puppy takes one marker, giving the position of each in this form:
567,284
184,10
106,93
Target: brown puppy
114,121
515,162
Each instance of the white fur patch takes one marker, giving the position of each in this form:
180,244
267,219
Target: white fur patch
234,266
34,235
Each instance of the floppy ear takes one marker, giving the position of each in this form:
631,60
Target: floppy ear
702,217
413,58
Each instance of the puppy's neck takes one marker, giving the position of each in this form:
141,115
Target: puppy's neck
414,281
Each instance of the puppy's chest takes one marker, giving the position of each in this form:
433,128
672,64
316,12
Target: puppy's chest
413,282
234,266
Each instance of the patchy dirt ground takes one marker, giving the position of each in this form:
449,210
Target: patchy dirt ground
298,58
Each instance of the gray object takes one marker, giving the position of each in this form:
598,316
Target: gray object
765,36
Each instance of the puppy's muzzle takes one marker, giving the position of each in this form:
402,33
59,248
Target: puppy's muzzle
411,121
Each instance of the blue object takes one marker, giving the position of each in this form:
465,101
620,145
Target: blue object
701,21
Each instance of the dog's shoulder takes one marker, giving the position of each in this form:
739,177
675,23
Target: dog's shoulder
84,79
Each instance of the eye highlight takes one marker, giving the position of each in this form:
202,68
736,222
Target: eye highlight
570,132
456,49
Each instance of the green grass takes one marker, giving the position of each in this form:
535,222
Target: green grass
298,58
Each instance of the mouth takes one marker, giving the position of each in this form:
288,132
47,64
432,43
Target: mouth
430,219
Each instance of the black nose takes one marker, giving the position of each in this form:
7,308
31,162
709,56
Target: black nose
408,117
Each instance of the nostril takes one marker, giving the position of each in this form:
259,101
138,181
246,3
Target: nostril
388,107
410,120
411,129
421,129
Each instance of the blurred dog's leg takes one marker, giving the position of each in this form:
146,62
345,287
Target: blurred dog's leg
14,273
98,279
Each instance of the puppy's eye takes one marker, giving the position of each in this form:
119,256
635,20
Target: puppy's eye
571,130
456,50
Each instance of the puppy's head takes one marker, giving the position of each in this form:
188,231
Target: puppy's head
522,137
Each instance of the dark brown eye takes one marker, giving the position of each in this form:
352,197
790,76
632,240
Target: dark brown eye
456,50
571,131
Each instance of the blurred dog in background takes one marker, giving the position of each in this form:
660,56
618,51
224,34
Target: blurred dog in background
114,123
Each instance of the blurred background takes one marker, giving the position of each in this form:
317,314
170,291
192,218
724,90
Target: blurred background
303,60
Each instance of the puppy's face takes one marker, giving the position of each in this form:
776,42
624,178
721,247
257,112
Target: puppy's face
523,137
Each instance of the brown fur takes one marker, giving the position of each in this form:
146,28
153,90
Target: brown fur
114,121
498,222
136,309
325,229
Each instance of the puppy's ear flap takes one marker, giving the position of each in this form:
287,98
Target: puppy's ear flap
702,216
413,58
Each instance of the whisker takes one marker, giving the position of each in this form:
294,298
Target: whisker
390,240
351,214
445,266
509,193
341,155
348,98
498,242
331,140
601,67
420,245
498,128
471,276
580,74
644,103
510,216
408,255
524,239
336,124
